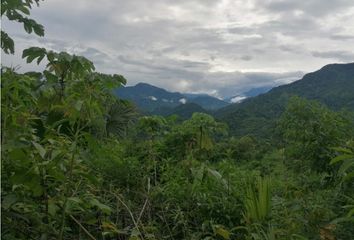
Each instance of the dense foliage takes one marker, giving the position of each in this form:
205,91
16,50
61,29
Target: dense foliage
79,163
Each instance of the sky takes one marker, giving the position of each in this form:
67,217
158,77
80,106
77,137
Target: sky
219,47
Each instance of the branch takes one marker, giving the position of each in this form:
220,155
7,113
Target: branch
83,228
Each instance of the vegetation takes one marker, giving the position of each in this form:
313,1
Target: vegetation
332,85
80,163
154,100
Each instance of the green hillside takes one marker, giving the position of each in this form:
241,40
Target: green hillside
184,111
332,85
155,100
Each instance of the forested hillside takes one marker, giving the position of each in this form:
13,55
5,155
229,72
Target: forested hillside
155,100
183,111
333,85
148,97
79,163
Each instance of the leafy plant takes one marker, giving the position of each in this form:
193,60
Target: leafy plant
310,131
18,10
258,201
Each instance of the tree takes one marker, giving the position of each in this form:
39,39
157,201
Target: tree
204,126
48,188
121,115
310,130
18,10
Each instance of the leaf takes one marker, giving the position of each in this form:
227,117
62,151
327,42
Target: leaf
24,10
55,154
109,226
343,150
75,200
134,235
8,201
33,53
7,44
104,208
345,166
219,230
348,176
74,205
78,105
38,29
52,208
350,213
215,173
35,186
296,236
51,78
40,149
341,158
19,155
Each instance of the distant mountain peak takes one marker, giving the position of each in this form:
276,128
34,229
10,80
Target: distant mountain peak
150,98
142,84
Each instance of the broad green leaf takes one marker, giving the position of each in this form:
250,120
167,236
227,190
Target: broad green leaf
104,208
78,105
40,149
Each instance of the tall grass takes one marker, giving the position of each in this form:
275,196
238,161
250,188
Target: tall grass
257,202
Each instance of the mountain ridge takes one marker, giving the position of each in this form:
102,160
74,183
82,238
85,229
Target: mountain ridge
332,85
150,98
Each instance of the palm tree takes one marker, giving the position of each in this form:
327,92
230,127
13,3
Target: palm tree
121,115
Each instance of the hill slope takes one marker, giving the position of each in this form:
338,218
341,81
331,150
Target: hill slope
184,111
208,102
152,99
332,85
148,97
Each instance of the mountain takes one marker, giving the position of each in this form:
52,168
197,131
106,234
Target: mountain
148,97
332,85
253,92
184,111
151,99
208,102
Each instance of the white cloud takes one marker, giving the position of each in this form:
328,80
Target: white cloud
237,99
183,100
218,46
152,98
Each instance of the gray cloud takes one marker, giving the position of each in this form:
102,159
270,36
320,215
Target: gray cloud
337,55
342,37
310,7
218,47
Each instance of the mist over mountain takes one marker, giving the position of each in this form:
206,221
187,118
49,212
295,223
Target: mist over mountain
253,92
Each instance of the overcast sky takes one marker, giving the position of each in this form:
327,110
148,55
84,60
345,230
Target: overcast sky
220,47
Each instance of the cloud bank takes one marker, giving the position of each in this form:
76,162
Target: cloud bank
219,47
